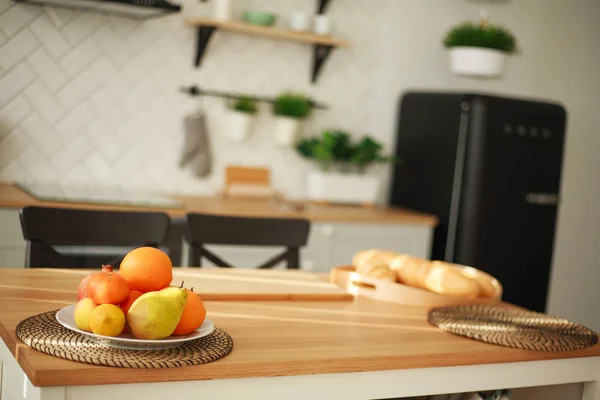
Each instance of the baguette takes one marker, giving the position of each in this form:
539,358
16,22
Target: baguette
486,288
444,279
372,263
410,270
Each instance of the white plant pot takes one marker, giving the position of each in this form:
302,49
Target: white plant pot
240,124
476,61
286,130
336,187
223,10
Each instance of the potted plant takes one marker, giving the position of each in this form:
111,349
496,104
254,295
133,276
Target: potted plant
342,174
241,115
479,49
289,109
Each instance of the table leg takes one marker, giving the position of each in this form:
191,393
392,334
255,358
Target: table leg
591,391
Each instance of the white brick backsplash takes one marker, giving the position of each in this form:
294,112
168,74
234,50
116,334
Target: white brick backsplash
14,82
36,164
12,114
81,27
2,39
81,55
41,135
18,17
98,167
60,16
11,146
76,90
137,98
16,49
113,47
74,123
106,108
14,172
43,102
71,153
4,5
49,36
108,77
104,141
46,69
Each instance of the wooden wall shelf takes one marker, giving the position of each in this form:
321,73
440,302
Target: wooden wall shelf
322,44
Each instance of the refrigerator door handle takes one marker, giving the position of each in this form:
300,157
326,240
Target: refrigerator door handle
544,199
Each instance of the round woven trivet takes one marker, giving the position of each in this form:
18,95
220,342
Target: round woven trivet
513,327
42,332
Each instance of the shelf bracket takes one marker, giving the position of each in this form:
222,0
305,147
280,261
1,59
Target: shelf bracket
320,55
204,35
323,6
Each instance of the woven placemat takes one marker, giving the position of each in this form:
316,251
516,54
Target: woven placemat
513,327
43,333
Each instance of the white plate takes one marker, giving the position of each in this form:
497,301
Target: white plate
126,340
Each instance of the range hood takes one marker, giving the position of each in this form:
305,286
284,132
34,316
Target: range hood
138,9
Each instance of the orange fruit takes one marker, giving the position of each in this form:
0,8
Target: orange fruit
133,295
112,289
147,269
82,289
193,315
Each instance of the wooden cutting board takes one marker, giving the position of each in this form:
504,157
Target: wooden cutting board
211,284
241,284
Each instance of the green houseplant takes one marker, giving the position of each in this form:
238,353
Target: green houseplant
479,49
289,109
242,113
343,164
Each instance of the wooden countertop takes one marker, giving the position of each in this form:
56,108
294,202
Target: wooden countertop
278,338
13,197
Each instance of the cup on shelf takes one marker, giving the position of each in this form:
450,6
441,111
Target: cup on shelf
322,25
223,10
299,21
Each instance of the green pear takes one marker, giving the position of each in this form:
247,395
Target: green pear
155,315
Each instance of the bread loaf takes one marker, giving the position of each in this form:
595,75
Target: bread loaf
372,263
486,288
410,270
444,279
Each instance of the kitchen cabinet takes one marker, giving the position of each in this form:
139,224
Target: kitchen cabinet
329,244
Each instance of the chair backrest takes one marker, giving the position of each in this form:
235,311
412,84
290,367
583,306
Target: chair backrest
202,229
46,227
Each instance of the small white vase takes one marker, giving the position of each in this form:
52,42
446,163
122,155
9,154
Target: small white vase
286,129
477,61
337,187
240,124
223,10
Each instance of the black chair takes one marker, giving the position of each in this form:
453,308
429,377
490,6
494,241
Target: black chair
202,229
45,227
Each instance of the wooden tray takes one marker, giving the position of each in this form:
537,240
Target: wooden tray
393,292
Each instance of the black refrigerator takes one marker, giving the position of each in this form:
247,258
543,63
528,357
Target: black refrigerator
490,168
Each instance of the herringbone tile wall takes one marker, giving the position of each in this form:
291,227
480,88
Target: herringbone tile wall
92,99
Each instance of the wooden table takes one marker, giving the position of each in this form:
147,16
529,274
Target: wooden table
355,349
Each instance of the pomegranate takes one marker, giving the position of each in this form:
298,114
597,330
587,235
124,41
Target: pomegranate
82,291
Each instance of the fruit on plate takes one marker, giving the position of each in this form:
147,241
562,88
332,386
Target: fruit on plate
155,315
82,313
107,320
126,305
109,289
83,284
193,314
147,269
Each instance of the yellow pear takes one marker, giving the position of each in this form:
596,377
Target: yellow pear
155,315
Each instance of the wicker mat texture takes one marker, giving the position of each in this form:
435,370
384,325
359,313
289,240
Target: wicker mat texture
513,327
43,333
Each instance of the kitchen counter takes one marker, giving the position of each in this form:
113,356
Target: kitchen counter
285,349
13,197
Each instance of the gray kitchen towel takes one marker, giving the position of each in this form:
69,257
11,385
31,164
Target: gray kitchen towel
196,152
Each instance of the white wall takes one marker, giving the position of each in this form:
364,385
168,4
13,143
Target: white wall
90,98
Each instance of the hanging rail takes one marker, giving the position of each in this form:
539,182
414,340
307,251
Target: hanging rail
196,91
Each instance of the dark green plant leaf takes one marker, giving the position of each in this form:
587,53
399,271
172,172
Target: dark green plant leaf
476,35
245,105
293,105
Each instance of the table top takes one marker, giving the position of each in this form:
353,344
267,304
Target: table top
271,338
13,197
